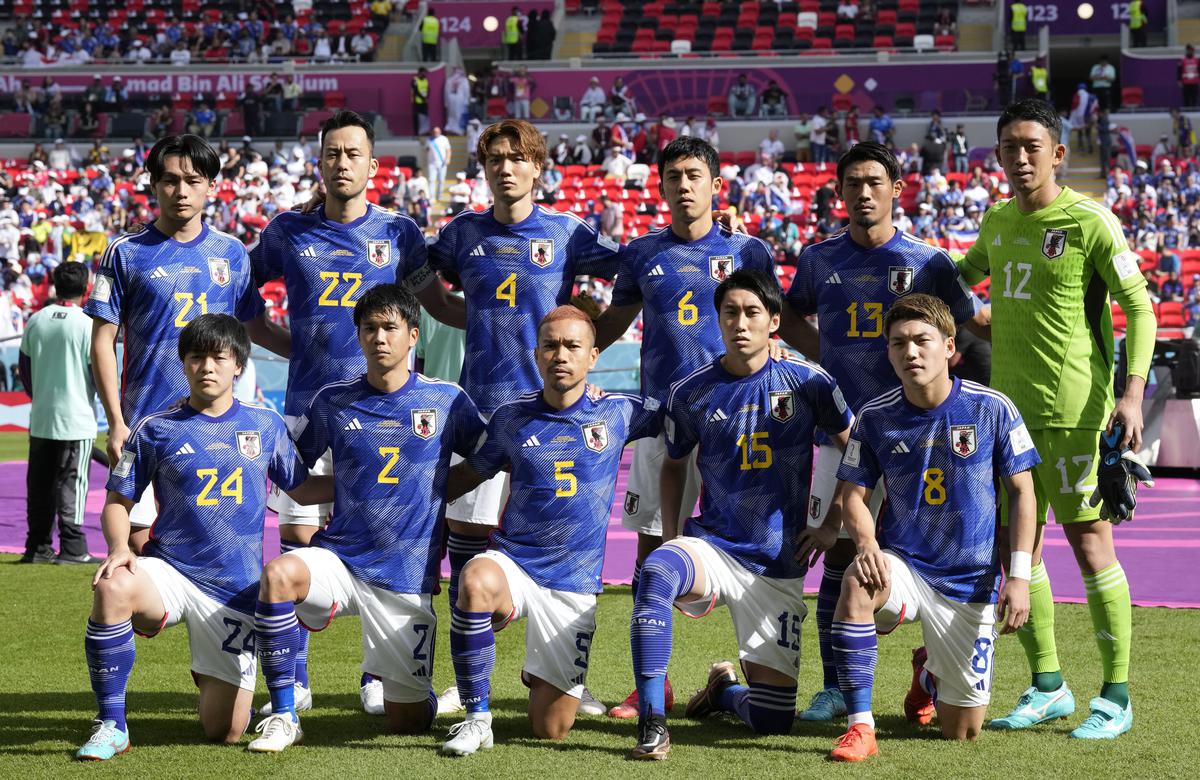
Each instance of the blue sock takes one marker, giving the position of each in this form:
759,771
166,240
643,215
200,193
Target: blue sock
277,633
666,574
827,599
857,649
300,673
473,651
366,678
431,707
766,709
110,654
461,549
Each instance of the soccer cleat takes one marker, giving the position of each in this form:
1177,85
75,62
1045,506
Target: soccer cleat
1107,721
371,696
918,704
590,705
704,702
449,702
629,708
857,744
107,741
76,560
826,705
278,732
653,740
303,699
1036,707
469,736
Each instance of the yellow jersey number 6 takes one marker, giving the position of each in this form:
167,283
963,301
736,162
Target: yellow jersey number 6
689,313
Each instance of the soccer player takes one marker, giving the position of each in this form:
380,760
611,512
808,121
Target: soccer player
1055,257
391,432
328,257
752,420
154,281
671,273
849,281
564,450
940,444
209,459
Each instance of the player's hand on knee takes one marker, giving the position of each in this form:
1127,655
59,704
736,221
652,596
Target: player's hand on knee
1013,606
813,542
115,560
872,568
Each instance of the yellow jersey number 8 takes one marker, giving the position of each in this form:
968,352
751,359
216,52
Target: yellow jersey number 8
935,486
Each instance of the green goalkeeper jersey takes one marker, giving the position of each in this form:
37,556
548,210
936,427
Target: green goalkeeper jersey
1052,333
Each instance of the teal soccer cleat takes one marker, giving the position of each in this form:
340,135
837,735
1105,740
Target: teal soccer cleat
827,704
1107,721
107,741
1036,707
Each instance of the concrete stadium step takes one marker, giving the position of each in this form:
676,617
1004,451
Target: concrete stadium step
574,43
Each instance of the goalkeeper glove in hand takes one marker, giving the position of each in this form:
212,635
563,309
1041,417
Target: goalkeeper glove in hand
1118,476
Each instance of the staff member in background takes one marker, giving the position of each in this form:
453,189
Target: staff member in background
511,37
1137,23
55,367
1020,21
430,31
1189,76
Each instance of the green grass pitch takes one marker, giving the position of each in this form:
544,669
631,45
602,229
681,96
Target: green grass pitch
46,705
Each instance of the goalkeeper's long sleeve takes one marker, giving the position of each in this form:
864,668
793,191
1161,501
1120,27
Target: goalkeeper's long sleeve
1141,329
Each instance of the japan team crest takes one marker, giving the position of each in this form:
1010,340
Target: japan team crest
218,271
900,279
541,251
424,422
249,443
783,407
814,507
631,503
379,253
720,266
1054,243
962,440
595,436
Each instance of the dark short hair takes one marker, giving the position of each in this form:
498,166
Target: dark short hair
70,280
190,147
389,298
763,285
212,334
1031,110
869,151
347,118
687,146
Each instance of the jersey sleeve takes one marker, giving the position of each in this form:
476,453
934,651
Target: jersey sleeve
859,465
626,290
137,465
311,430
680,430
833,415
108,291
976,265
491,457
286,469
468,424
268,252
413,268
800,295
645,419
953,289
757,256
593,254
1108,251
249,303
1013,451
442,251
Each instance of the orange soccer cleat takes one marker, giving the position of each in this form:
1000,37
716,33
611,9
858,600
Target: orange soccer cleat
857,744
918,703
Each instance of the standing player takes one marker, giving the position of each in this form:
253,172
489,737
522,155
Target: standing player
671,274
752,420
564,451
209,460
156,280
849,281
328,257
391,432
1056,256
940,444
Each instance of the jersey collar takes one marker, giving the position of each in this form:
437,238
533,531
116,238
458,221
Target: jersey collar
956,384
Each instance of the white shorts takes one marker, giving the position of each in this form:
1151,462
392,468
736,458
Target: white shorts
398,629
221,638
558,632
824,485
482,505
291,513
960,638
145,511
766,612
642,509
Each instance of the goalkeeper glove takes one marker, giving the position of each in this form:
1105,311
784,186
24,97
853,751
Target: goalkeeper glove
1117,478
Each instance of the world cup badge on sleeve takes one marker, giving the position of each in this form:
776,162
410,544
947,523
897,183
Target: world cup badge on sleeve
962,440
379,253
595,436
218,271
424,422
249,443
541,251
900,279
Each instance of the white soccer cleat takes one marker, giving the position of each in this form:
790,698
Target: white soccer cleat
472,735
303,699
590,705
371,695
449,702
278,732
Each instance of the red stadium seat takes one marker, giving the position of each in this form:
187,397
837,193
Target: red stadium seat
1131,97
717,104
335,100
1170,314
945,42
882,42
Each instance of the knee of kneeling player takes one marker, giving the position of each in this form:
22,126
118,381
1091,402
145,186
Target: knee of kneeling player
555,731
278,579
220,731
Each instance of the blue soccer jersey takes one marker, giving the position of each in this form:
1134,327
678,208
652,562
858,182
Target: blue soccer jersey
512,276
564,467
392,455
940,467
155,285
674,281
850,289
326,267
755,436
210,478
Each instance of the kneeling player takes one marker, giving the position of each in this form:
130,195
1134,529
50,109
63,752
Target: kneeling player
391,432
753,420
940,444
208,460
564,450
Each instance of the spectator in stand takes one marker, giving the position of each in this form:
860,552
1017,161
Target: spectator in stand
593,100
665,133
521,87
850,126
1152,285
561,153
761,171
180,55
550,182
619,99
581,152
710,133
802,131
882,128
252,116
847,10
54,121
824,198
945,23
1102,76
818,136
774,100
1193,287
115,97
272,93
1181,129
457,96
539,36
460,193
616,165
771,145
1172,288
933,154
420,101
935,128
1191,311
161,122
138,54
202,121
1084,106
960,149
437,160
742,97
612,218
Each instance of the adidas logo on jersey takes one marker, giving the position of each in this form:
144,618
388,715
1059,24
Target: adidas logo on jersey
656,271
478,251
718,415
309,252
532,441
159,273
835,279
353,425
996,240
900,448
186,449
